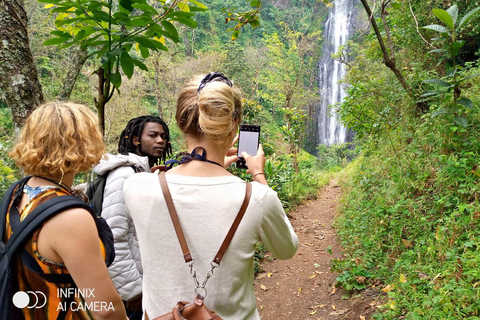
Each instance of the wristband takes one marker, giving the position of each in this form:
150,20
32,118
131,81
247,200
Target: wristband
256,174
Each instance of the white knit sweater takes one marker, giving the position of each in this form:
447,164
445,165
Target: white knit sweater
206,207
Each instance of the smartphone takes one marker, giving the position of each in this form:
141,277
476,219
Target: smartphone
248,140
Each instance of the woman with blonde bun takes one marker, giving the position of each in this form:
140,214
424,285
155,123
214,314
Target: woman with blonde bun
207,199
59,140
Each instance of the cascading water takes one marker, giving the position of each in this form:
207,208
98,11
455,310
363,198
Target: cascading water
337,29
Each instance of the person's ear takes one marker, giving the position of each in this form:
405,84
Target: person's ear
135,141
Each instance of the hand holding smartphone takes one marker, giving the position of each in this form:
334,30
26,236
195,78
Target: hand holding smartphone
248,141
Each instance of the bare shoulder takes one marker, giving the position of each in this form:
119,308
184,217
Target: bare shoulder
71,220
71,231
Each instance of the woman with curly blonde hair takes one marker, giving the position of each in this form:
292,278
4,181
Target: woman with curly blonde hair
59,140
59,137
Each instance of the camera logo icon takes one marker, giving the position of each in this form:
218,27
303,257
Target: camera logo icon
29,299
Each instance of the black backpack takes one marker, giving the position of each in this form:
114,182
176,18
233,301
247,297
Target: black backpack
96,189
22,231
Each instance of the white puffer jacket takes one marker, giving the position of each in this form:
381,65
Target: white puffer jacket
126,270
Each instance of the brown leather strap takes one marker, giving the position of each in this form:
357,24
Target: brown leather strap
178,229
234,226
173,214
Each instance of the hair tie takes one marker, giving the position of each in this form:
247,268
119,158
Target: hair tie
214,76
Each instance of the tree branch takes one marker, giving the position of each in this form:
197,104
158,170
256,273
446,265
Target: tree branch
389,62
78,58
387,30
416,23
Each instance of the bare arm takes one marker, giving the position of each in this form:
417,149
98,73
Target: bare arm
256,165
71,237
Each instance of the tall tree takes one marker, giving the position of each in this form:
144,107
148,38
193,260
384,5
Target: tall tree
110,30
19,83
285,82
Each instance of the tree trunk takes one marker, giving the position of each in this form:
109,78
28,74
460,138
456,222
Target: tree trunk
21,89
158,94
101,99
77,58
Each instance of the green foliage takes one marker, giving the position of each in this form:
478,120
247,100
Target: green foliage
215,26
375,102
295,188
244,18
449,88
336,156
411,218
259,257
6,122
251,111
8,174
236,66
294,126
409,221
285,83
112,31
352,277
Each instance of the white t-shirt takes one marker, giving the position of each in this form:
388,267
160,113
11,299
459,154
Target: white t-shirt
206,207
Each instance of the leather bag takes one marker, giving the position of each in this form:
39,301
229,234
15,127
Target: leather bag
197,310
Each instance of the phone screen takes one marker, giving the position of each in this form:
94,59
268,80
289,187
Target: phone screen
248,142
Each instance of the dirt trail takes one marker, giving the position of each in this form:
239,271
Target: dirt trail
303,287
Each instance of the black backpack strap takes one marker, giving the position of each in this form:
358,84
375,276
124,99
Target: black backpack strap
39,215
33,266
96,188
4,206
23,230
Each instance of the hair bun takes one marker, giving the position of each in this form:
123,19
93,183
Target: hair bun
209,106
216,104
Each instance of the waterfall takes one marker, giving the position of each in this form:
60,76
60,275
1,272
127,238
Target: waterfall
337,29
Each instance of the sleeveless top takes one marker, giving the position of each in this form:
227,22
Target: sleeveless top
50,299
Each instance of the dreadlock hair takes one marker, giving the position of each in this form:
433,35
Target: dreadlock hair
135,128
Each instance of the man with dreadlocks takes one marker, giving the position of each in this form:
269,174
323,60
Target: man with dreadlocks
144,142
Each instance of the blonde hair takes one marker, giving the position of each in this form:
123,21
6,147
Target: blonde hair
214,111
59,137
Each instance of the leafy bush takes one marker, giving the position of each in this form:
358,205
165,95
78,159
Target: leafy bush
411,221
259,257
7,174
6,123
336,155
